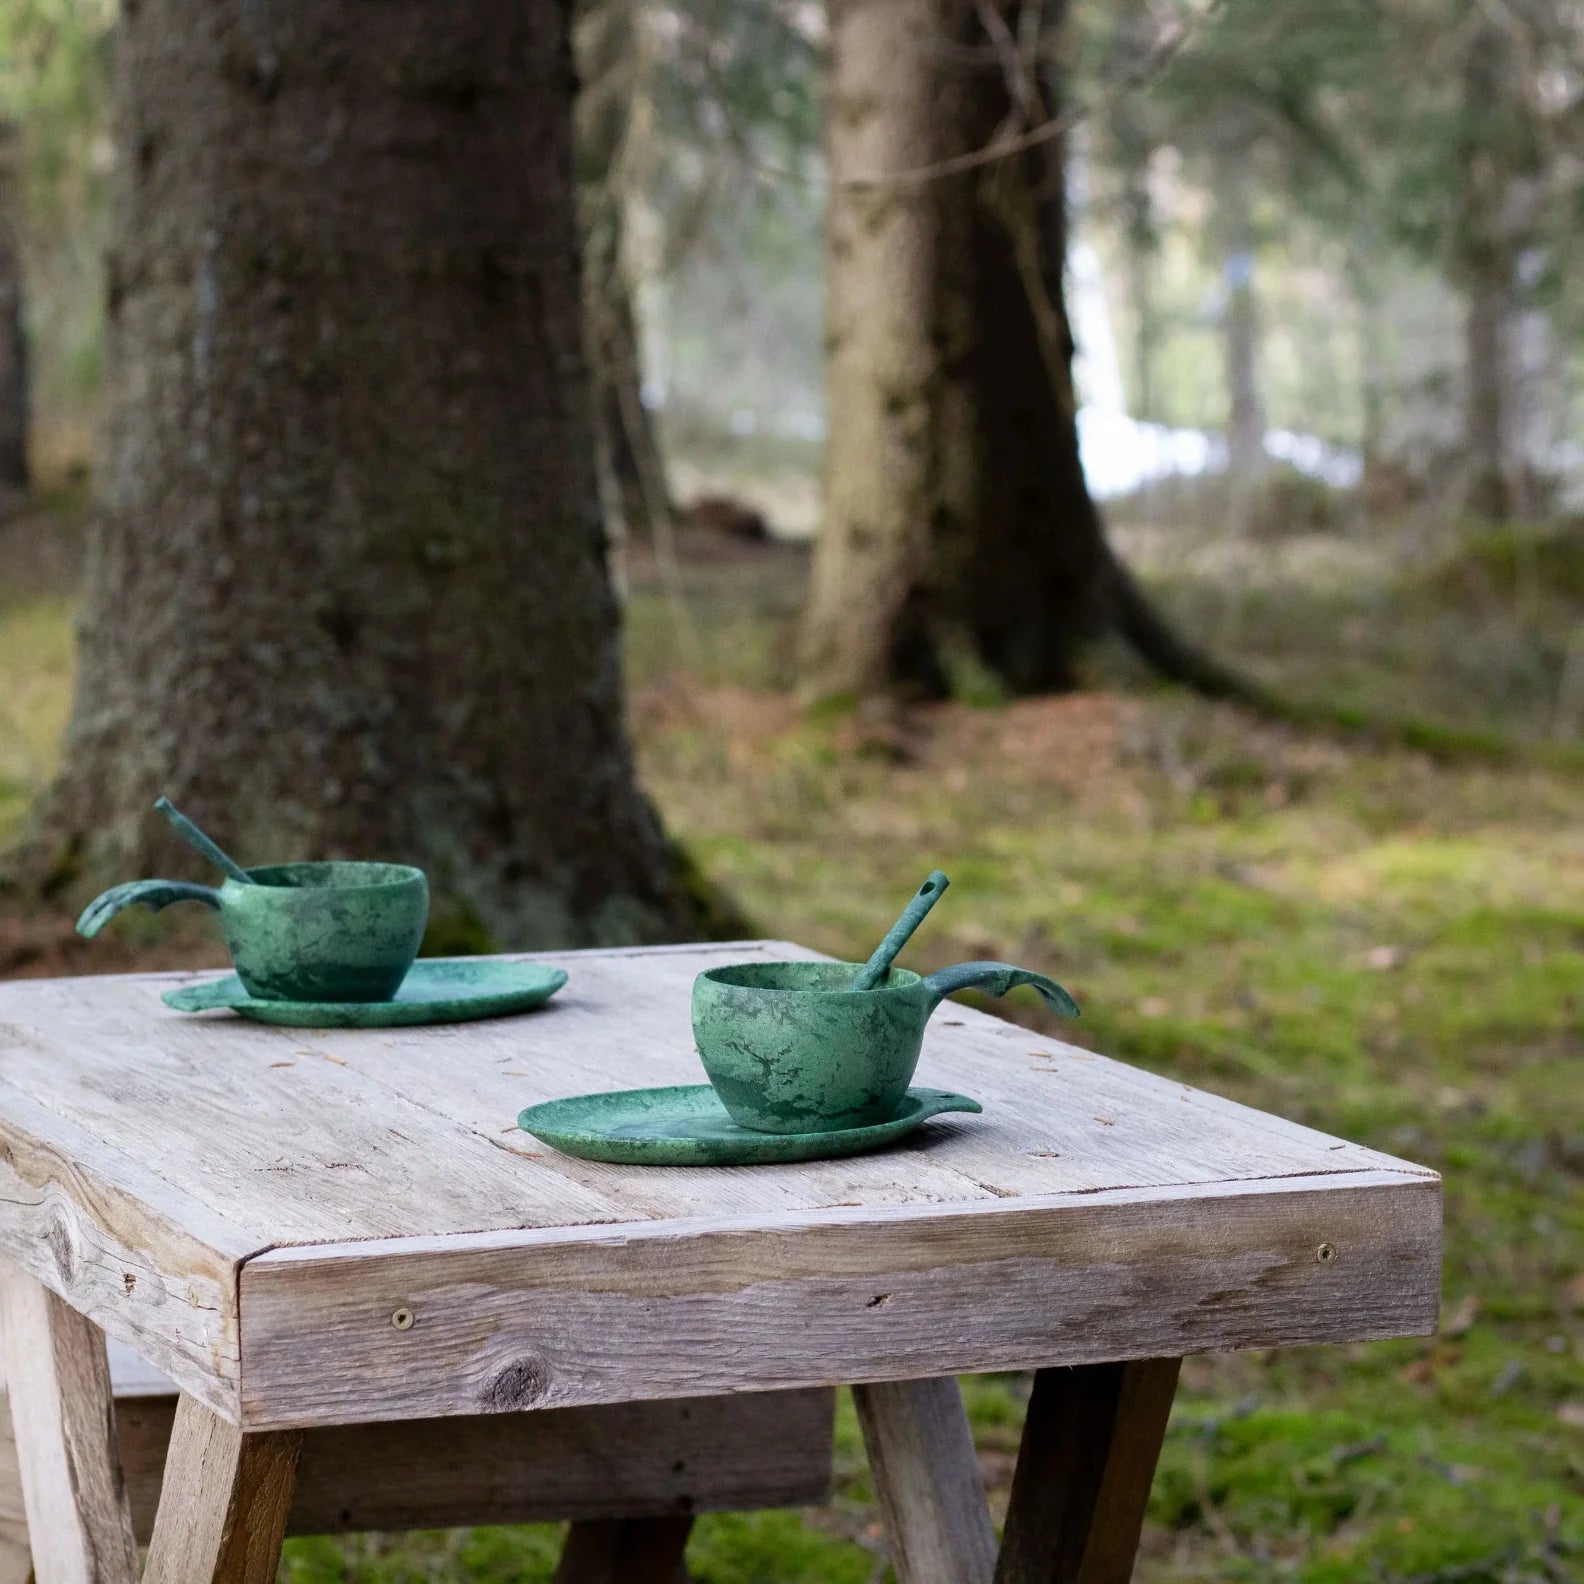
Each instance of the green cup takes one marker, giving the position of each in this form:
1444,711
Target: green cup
791,1048
336,931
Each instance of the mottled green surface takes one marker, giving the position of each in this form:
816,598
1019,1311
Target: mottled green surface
792,1048
319,932
436,990
688,1126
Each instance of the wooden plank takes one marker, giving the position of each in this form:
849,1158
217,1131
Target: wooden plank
628,1460
270,1128
1091,1441
557,1319
222,1511
625,1551
926,1475
59,1394
149,1264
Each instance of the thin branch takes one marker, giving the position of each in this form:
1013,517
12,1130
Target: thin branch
1167,47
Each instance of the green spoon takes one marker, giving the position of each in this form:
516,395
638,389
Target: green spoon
901,932
194,837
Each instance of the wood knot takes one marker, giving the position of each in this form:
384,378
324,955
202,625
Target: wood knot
520,1384
63,1249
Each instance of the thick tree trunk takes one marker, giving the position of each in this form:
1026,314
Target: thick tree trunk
865,626
14,390
959,533
348,594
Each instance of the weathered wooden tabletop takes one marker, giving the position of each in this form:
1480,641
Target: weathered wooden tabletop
303,1227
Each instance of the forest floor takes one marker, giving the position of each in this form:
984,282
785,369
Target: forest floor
1382,940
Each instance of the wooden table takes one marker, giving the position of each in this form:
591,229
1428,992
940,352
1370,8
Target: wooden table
306,1230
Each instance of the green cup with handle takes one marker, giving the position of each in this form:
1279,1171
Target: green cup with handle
791,1047
817,1047
333,931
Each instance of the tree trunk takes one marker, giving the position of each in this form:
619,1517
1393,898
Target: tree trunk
348,593
632,467
1486,268
1240,318
14,405
864,627
959,535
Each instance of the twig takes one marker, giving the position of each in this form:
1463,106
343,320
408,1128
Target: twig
1167,46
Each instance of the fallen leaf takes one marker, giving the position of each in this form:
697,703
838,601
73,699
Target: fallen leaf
1464,1316
1105,1121
1572,1413
1380,958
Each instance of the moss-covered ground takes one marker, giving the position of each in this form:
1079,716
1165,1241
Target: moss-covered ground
1382,942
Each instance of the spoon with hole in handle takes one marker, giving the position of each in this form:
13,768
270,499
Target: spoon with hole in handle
901,932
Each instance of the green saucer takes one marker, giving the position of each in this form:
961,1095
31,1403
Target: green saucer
436,990
688,1126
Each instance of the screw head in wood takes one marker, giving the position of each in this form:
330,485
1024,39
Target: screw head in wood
403,1319
1325,1253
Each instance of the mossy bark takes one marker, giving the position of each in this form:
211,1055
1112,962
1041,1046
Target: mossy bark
347,595
959,533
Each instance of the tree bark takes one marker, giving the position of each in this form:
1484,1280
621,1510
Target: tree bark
348,593
14,388
959,534
865,627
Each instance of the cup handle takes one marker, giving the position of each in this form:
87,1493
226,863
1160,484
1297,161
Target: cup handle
997,978
155,894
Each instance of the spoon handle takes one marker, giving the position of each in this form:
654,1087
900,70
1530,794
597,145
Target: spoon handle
901,932
194,837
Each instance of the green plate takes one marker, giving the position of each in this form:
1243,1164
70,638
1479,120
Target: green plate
688,1126
436,990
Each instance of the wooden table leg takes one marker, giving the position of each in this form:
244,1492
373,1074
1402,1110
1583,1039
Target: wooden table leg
625,1551
1090,1445
927,1478
16,1555
223,1506
58,1384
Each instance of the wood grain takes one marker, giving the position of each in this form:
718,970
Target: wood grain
535,1320
625,1551
301,1136
64,1422
1090,1443
926,1476
149,1264
222,1511
629,1460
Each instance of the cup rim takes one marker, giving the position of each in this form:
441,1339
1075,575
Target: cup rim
897,979
391,876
